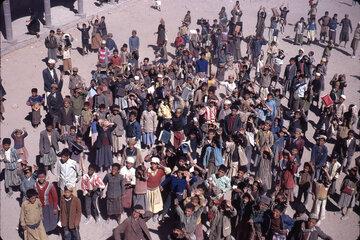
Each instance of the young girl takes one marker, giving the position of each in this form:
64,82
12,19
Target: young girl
19,145
35,101
140,189
305,182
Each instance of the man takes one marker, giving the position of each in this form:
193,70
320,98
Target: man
70,214
346,27
350,150
50,77
324,23
232,122
68,171
51,44
134,227
333,23
75,81
289,74
31,217
310,231
134,45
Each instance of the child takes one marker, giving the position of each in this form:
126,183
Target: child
19,144
128,173
67,117
28,181
9,156
305,182
117,117
189,217
140,189
67,66
115,190
31,217
35,101
85,36
70,204
91,185
149,124
85,117
48,146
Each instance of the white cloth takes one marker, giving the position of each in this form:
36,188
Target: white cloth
128,174
68,173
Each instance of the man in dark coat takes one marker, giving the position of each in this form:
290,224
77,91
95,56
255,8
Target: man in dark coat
346,28
134,227
312,232
232,122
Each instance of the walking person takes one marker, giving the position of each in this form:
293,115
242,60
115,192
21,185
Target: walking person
346,29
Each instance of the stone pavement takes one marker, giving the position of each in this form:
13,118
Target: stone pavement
21,70
62,17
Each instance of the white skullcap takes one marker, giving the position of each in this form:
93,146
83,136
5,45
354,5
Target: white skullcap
343,96
130,159
159,75
51,61
227,102
137,78
323,59
318,74
103,42
155,160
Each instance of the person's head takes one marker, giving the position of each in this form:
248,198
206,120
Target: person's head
65,154
322,140
84,25
154,163
189,209
346,15
68,191
91,169
241,172
222,171
115,168
6,143
132,116
41,176
130,161
34,92
138,210
75,71
234,109
307,167
27,171
335,16
31,195
312,221
326,13
276,212
52,32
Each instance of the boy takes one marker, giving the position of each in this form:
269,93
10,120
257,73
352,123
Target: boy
85,36
31,217
70,214
91,185
117,117
85,117
67,117
28,181
35,101
68,170
189,217
10,158
114,192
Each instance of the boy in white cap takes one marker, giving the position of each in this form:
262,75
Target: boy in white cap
341,107
128,173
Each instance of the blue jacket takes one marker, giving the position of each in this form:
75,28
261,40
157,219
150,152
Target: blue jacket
202,66
177,185
133,130
319,155
218,156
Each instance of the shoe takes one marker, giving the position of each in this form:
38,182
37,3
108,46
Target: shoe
353,56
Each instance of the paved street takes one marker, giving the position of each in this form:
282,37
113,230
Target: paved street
22,70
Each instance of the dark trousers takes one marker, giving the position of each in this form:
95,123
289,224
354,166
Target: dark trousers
71,234
169,201
303,191
91,203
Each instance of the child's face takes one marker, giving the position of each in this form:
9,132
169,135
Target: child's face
114,170
32,199
72,131
91,171
34,94
86,107
306,169
241,174
67,194
18,134
66,104
102,110
6,147
188,212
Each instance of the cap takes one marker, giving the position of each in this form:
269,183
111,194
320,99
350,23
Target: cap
51,61
322,137
159,75
103,42
313,216
343,96
155,160
318,74
75,69
301,49
298,130
137,78
323,59
130,159
227,102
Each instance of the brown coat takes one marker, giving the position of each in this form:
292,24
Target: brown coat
75,213
134,229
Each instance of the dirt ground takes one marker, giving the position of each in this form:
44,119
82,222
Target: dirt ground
22,70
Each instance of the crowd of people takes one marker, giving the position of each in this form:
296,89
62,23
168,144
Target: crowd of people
209,141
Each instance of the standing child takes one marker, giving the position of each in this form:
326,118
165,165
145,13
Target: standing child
305,182
140,189
35,101
85,117
85,36
9,156
67,117
149,124
115,190
128,173
117,117
91,185
31,217
70,214
28,180
19,144
67,66
48,146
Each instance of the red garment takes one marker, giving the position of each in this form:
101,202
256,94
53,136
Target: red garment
179,42
154,180
116,61
288,179
47,194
